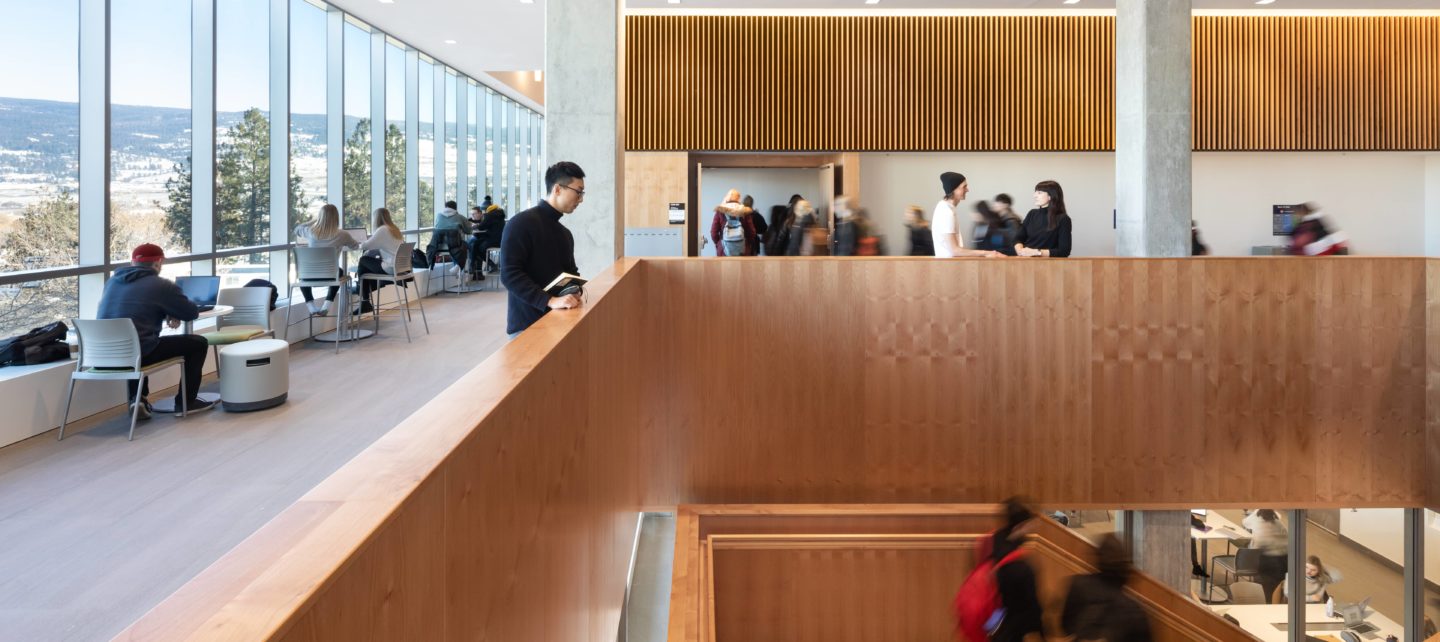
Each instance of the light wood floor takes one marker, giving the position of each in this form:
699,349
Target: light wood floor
95,530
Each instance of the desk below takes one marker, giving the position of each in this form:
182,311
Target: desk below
1260,620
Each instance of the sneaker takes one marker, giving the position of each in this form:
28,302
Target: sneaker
145,411
198,405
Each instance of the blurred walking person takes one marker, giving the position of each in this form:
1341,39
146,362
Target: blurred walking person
1315,235
921,242
994,231
1097,607
998,601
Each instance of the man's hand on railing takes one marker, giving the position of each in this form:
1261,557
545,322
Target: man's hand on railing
564,302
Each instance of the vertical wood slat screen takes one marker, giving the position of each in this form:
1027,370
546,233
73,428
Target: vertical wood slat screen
1019,83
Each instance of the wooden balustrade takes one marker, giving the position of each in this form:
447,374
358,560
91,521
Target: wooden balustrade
505,508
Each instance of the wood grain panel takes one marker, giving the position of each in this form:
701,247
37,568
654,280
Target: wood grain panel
873,572
505,509
890,83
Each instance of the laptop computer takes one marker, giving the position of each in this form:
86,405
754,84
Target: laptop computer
1354,616
358,233
201,290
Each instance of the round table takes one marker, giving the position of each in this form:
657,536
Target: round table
344,331
167,405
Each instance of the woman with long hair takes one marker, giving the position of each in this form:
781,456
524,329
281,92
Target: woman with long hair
1046,230
921,243
379,256
1270,536
324,231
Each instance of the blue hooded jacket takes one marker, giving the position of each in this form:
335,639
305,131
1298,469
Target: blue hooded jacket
143,296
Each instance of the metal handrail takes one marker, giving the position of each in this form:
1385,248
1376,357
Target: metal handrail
44,274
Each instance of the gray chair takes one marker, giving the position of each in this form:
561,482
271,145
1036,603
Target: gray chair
250,318
402,278
1246,593
1245,563
318,267
110,351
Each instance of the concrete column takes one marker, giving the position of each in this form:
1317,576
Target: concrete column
1161,540
1152,127
582,124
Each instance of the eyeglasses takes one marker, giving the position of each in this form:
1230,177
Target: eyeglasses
581,192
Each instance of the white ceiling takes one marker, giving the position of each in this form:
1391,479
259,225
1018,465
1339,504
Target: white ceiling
749,5
489,35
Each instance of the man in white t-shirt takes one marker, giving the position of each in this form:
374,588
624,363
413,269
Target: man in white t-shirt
944,224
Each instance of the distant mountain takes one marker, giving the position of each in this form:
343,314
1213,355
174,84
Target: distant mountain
42,136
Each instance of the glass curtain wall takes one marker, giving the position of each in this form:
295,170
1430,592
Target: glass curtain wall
395,131
151,141
427,142
150,162
472,155
307,110
242,136
39,160
452,158
356,168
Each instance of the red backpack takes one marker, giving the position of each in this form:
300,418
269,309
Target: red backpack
979,597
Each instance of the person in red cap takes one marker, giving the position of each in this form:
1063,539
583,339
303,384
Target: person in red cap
139,293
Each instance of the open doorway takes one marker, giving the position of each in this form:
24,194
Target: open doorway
770,187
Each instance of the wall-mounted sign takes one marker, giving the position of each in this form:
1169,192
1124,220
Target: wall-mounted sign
1283,219
677,214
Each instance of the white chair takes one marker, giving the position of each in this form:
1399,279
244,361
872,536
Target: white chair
402,278
110,351
1246,593
250,318
318,267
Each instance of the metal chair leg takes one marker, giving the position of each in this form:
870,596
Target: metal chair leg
140,399
69,395
420,300
404,317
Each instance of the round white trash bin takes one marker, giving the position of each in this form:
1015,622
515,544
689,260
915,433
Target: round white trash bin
254,375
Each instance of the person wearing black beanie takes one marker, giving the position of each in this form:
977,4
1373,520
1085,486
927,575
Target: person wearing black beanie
945,227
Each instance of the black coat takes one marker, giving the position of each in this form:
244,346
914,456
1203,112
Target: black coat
1035,233
1097,608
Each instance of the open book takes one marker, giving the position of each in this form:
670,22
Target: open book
565,284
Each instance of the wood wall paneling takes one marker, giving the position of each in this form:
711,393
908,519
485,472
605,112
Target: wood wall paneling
497,513
890,83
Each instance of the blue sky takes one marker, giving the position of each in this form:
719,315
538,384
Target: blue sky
150,54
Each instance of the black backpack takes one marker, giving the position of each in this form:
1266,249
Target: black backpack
40,345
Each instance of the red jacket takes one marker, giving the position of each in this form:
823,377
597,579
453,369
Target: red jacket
717,227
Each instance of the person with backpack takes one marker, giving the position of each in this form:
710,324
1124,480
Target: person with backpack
998,601
1097,607
757,221
732,230
777,236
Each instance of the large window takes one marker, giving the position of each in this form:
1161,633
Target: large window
39,159
153,88
472,155
356,206
427,143
395,132
451,140
150,164
242,134
307,108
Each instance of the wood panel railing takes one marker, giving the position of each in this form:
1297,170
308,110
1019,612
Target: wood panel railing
888,83
875,572
504,509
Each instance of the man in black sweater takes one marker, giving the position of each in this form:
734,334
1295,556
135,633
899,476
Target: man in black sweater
140,294
535,248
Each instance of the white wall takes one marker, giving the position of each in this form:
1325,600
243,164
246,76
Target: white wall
1432,205
1378,199
1382,530
770,186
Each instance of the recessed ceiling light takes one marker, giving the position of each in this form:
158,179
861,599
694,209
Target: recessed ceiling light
674,1
387,1
872,1
527,1
1264,1
1072,1
449,42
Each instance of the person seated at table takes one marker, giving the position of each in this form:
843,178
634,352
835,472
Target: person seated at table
450,230
1317,580
487,235
324,231
138,292
379,256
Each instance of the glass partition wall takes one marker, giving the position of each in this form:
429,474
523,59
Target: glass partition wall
173,102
